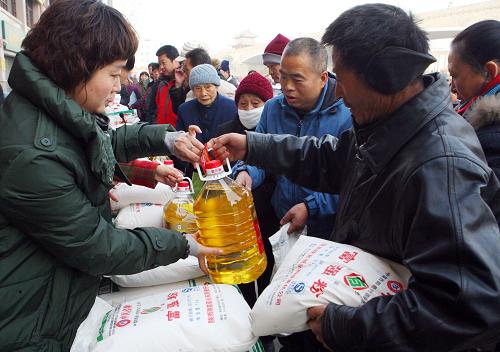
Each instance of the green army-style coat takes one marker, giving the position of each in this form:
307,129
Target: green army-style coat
56,234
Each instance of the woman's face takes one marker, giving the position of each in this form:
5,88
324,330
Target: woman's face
100,90
467,80
143,78
205,93
249,102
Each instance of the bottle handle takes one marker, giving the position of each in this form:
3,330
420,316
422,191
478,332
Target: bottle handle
221,175
191,187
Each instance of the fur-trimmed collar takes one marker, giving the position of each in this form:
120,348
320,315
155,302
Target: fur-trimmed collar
484,112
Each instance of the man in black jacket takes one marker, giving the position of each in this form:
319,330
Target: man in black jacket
414,188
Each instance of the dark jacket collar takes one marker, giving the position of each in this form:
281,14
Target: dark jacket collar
30,82
377,143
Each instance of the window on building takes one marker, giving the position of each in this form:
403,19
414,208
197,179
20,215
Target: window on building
9,5
29,13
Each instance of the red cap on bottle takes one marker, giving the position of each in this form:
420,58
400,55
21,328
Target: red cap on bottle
214,167
169,162
183,186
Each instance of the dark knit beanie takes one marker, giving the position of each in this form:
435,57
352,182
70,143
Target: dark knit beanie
256,84
274,50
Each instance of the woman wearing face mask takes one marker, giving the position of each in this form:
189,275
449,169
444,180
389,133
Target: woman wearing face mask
474,65
251,95
57,163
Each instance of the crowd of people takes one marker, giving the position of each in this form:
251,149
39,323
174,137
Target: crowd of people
374,154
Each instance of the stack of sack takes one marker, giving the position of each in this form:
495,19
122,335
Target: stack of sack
120,115
169,308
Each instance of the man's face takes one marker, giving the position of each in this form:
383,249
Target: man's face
167,66
155,74
467,81
225,74
358,96
301,82
274,72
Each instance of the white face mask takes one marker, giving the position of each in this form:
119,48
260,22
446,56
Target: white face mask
250,118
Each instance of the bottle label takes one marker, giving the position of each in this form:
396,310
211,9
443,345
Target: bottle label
259,236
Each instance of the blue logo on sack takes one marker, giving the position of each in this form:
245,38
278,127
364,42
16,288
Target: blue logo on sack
299,287
187,289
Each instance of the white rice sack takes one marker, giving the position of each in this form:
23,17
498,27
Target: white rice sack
282,243
204,318
133,293
127,195
317,272
183,269
140,215
85,335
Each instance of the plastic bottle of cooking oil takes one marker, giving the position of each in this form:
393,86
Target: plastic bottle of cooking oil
178,213
226,219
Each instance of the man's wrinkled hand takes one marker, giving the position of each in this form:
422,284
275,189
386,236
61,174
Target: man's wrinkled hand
244,180
297,217
315,322
231,145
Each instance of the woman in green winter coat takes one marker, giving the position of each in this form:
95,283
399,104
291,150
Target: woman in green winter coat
57,162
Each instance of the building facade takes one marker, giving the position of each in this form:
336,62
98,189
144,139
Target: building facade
16,18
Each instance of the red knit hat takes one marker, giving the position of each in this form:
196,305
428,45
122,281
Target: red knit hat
274,50
256,84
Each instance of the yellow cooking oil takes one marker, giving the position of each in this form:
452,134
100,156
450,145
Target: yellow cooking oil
226,219
178,214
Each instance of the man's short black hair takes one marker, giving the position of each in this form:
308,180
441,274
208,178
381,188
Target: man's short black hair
151,64
168,50
312,48
155,66
361,32
198,56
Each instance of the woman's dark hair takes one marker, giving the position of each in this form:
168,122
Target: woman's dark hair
75,38
363,31
478,44
144,73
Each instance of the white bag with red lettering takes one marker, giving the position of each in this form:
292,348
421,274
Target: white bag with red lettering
204,318
124,294
282,243
317,272
140,215
183,269
127,195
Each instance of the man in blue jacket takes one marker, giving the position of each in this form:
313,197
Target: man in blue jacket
307,107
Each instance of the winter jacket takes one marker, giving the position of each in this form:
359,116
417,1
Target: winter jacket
329,116
484,116
56,234
207,118
164,112
414,188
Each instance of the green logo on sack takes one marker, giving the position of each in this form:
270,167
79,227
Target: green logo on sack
101,329
355,281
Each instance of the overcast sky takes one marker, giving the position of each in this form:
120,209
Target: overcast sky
216,23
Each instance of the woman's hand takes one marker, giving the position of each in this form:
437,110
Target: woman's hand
187,147
168,175
200,251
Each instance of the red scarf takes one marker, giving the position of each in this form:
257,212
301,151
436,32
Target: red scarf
463,108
